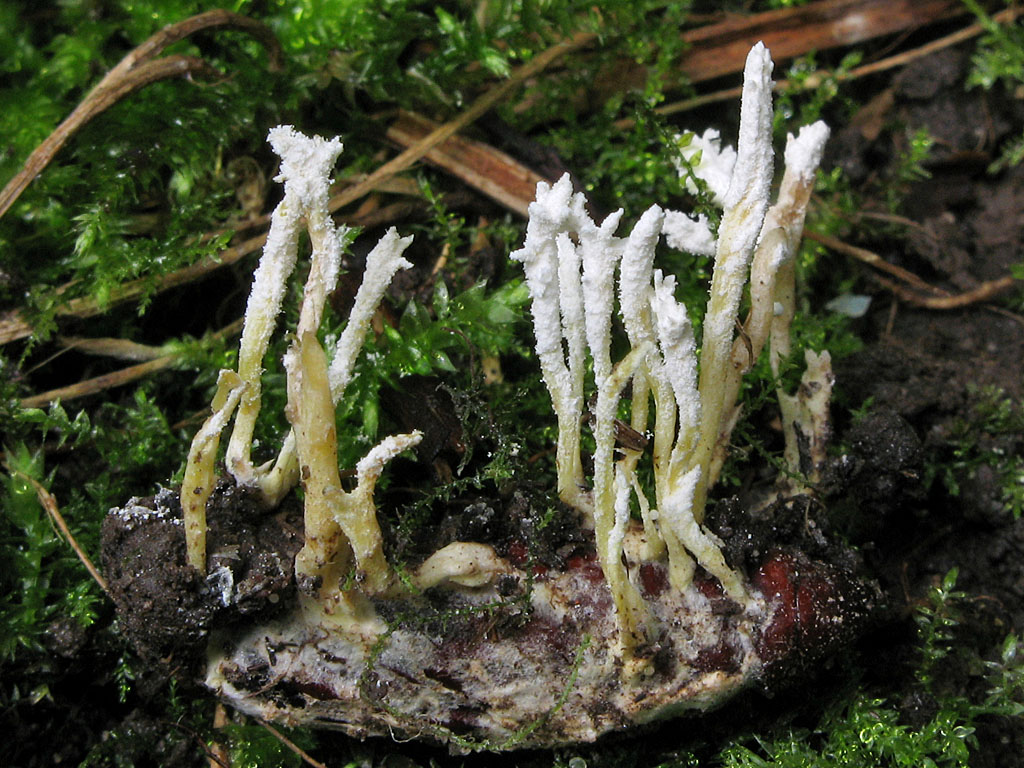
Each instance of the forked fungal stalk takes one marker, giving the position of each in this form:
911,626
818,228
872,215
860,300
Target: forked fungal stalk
694,407
341,529
306,164
772,275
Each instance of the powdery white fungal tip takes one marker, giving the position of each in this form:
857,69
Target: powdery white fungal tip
753,169
381,265
803,153
306,161
372,464
553,202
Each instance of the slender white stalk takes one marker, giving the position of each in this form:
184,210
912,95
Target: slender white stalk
745,205
306,165
381,265
772,275
341,528
636,295
601,253
611,508
679,352
357,515
635,290
570,302
269,281
769,257
555,210
803,155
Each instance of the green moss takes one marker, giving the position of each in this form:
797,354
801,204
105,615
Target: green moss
986,440
864,729
253,746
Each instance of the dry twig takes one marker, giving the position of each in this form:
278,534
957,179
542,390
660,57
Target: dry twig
218,753
50,505
139,68
120,349
306,757
872,258
116,378
480,165
939,299
816,79
100,383
987,290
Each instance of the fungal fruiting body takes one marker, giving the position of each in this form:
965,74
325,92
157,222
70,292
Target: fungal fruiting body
637,613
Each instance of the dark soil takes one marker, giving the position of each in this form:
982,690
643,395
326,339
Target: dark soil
165,606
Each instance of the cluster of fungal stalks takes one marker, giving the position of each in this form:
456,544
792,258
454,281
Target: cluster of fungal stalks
570,264
342,536
341,529
530,635
576,271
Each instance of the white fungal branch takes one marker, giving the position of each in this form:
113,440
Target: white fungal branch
341,528
306,165
568,259
382,263
745,206
803,155
772,275
557,307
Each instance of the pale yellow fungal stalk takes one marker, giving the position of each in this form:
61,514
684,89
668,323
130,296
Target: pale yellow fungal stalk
306,165
197,485
772,275
341,529
339,526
